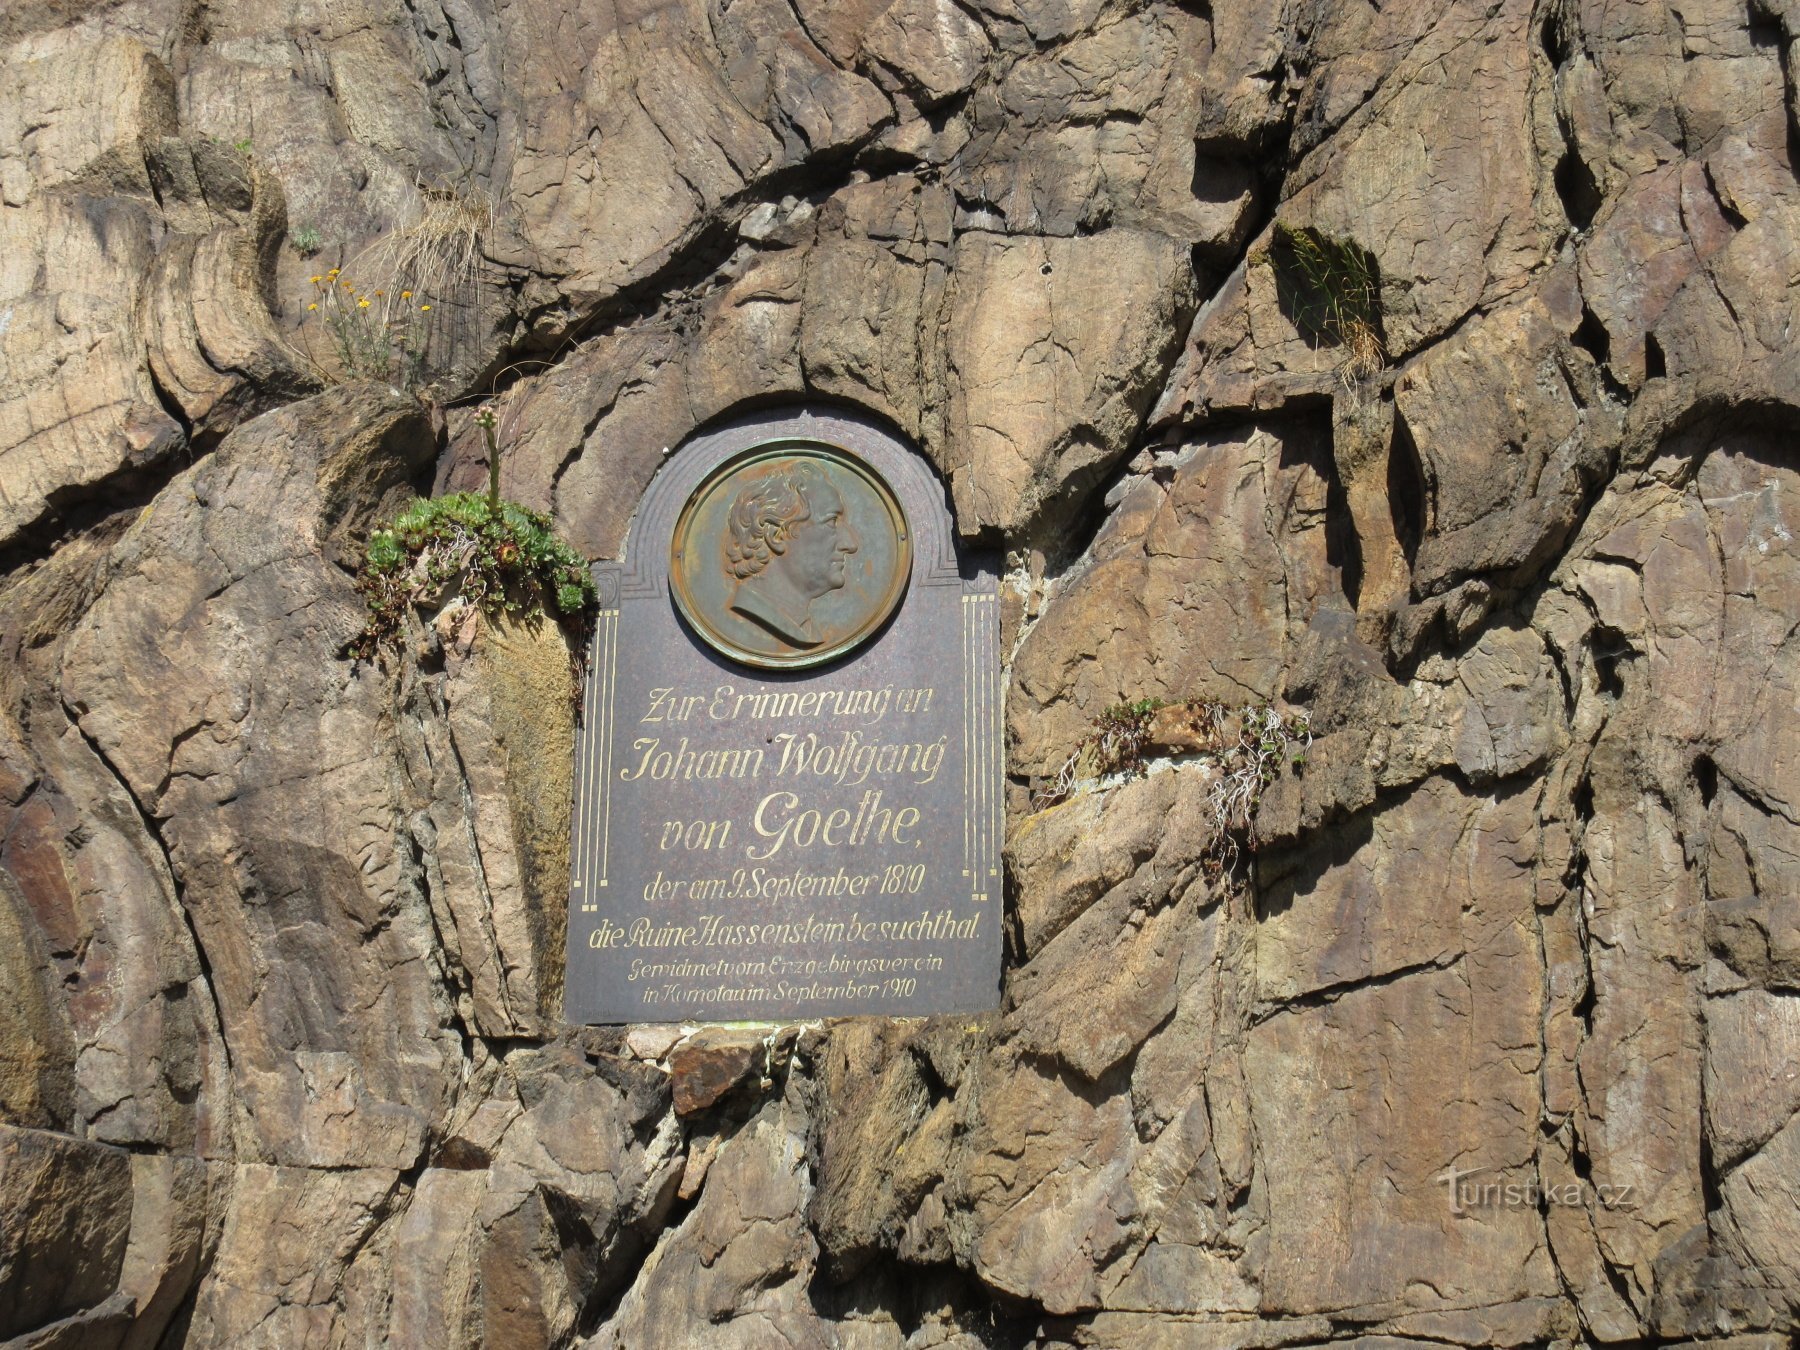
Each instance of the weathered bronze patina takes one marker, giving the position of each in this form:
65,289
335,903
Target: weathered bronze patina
788,774
790,555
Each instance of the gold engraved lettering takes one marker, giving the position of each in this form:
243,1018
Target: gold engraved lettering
695,835
683,763
850,760
668,706
868,706
913,700
783,822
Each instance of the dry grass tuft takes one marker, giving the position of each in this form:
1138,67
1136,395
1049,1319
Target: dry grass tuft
436,263
440,253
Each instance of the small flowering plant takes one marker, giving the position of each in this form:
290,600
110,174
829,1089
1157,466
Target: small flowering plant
500,557
497,556
373,335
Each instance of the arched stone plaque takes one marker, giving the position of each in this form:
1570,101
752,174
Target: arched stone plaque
787,788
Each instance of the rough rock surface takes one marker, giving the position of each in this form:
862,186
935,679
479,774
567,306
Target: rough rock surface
1487,1037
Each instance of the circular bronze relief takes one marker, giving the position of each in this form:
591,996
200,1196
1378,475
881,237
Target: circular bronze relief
789,555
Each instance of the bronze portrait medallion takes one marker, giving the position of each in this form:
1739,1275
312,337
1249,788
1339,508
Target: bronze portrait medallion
790,555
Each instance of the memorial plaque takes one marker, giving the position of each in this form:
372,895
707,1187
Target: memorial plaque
787,786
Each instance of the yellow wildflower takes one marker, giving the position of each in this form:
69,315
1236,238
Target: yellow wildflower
363,303
314,280
332,273
406,295
313,305
423,308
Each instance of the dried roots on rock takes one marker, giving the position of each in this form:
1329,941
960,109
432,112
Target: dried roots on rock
1242,749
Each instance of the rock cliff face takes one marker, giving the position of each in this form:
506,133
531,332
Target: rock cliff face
281,1059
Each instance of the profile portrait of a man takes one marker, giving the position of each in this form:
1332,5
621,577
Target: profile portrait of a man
787,543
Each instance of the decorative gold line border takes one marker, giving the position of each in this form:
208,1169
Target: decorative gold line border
612,689
578,823
984,740
996,769
992,741
583,781
980,748
968,717
980,755
596,748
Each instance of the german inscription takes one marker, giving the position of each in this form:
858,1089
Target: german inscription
788,775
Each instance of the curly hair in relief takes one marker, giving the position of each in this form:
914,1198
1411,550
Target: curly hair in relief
766,510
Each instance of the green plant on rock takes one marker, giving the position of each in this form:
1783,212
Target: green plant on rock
495,555
306,241
1331,290
504,559
1267,738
